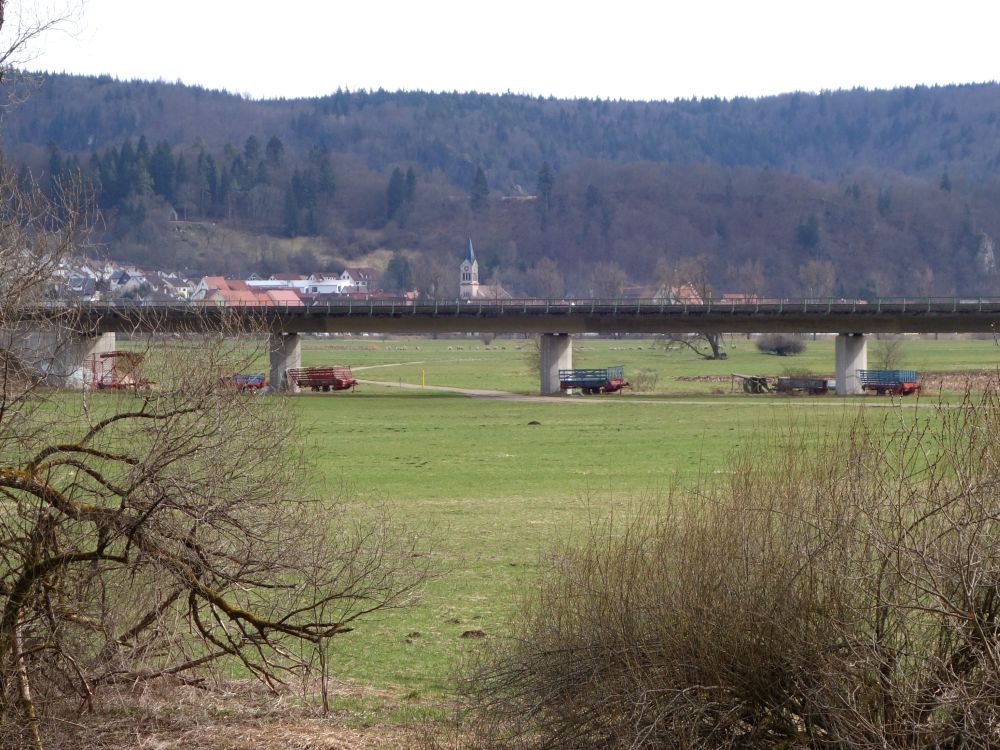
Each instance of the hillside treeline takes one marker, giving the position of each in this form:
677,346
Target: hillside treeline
853,193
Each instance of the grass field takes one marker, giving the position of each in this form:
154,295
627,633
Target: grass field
493,483
505,364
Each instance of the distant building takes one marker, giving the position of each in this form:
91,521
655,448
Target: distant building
361,279
222,291
678,294
469,286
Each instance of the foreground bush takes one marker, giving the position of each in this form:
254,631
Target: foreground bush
841,594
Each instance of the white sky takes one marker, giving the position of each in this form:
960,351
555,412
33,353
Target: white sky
616,50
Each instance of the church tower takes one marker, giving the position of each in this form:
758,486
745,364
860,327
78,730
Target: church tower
469,286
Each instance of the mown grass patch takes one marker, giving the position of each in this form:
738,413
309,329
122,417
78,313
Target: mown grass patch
493,492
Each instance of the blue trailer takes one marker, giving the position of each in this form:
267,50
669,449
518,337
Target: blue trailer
896,382
593,381
246,381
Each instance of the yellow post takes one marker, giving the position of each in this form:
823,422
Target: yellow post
423,378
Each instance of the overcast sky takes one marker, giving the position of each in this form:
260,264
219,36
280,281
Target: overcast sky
616,50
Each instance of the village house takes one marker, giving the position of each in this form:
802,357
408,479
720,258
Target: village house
361,279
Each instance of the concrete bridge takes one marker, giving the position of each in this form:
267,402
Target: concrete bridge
555,321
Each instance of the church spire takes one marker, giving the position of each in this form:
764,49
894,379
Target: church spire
469,285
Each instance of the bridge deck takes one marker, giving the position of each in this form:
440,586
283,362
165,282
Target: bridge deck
541,316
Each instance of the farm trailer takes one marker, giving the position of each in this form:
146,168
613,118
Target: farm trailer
896,382
335,378
246,381
115,370
750,383
607,380
804,384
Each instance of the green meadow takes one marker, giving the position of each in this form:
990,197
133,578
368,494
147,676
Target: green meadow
506,364
492,484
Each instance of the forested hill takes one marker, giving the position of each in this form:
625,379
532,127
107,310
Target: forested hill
873,191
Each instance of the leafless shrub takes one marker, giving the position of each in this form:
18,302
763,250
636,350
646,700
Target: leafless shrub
887,353
644,380
782,344
150,533
838,592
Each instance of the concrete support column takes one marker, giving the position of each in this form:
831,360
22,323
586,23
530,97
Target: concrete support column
285,353
69,356
851,356
556,354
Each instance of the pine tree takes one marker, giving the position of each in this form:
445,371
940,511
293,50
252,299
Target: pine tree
320,159
395,194
398,274
480,190
55,166
163,171
251,149
411,184
546,182
275,150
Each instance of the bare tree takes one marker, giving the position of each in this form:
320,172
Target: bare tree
706,345
607,280
548,279
154,532
817,278
748,278
432,278
922,280
21,26
687,282
888,352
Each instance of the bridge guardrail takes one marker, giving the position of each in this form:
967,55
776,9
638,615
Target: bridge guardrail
614,306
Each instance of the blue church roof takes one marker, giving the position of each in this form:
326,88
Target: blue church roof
470,254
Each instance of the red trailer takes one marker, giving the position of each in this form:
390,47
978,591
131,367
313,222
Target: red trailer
332,378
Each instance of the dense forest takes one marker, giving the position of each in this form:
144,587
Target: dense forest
851,193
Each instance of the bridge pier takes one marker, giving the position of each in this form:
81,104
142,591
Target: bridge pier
556,353
62,355
285,351
851,356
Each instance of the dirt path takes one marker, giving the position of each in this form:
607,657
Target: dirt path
803,403
471,392
391,364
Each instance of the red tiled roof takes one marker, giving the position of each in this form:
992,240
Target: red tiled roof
284,297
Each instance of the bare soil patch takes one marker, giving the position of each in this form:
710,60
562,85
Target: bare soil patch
973,380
